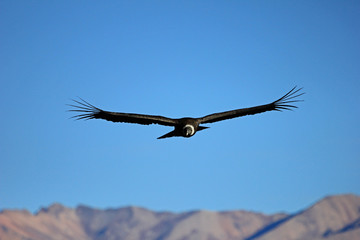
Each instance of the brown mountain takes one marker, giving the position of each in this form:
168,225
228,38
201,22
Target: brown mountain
332,218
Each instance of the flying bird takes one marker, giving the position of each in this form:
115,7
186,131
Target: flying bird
183,127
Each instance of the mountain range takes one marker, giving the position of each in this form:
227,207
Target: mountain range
331,218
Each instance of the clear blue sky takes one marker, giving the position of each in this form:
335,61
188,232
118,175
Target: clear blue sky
177,59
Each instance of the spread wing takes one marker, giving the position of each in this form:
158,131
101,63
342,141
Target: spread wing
87,111
283,103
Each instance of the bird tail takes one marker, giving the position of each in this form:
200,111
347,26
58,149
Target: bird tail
202,128
169,134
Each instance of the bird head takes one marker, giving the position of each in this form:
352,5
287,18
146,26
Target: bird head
188,130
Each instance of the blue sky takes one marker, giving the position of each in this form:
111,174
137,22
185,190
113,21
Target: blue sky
177,59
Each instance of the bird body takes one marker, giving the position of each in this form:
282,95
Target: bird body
186,127
183,127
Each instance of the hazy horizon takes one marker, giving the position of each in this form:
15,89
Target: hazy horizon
179,59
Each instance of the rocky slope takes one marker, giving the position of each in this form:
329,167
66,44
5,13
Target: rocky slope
332,218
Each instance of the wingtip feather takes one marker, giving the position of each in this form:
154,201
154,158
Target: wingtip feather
81,106
289,97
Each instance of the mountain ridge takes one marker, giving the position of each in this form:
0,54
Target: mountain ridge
331,218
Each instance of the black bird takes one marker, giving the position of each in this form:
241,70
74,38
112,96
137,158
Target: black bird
184,127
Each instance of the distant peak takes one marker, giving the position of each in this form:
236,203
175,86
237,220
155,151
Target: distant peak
333,200
53,209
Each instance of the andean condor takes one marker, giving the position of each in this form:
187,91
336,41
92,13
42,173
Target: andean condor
184,127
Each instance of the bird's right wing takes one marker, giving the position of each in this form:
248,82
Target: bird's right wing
283,103
88,111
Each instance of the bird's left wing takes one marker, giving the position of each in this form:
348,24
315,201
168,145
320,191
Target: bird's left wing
283,103
87,111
